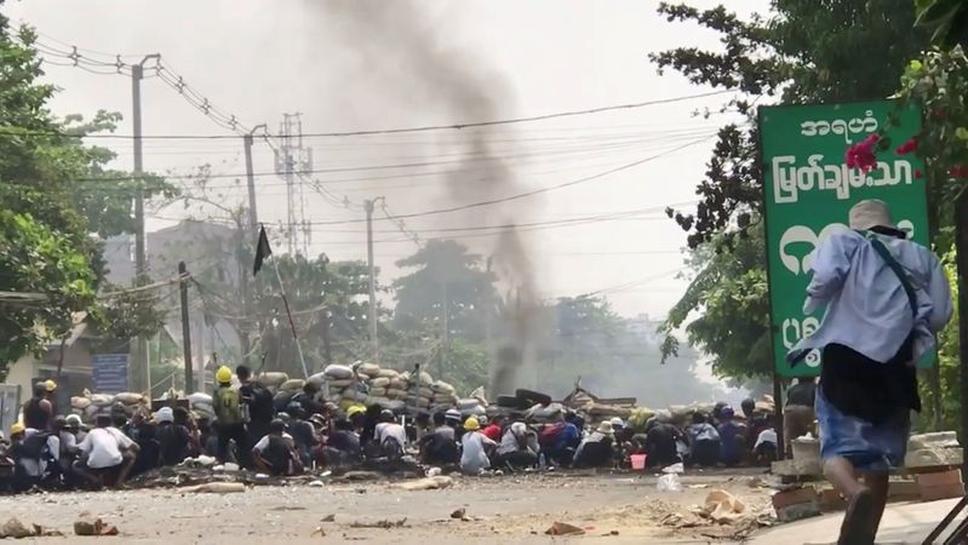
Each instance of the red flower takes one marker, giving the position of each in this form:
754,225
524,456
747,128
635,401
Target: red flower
907,147
918,174
861,155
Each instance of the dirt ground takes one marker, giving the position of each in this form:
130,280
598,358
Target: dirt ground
613,509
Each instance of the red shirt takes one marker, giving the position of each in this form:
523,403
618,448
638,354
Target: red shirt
492,432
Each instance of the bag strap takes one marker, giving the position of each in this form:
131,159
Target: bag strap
896,267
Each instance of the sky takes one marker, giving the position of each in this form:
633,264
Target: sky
349,65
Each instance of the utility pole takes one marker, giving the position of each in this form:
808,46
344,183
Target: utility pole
374,341
244,262
186,326
445,326
250,177
141,270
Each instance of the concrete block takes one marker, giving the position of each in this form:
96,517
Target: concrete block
942,491
796,496
952,476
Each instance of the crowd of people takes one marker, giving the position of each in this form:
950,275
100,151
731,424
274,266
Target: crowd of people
249,429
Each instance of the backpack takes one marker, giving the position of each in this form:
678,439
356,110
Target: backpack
549,435
261,405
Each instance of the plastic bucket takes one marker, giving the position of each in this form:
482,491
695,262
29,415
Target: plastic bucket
638,461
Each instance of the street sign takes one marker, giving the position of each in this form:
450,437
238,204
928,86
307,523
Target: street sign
109,373
809,191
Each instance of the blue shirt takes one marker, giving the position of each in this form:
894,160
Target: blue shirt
567,437
867,307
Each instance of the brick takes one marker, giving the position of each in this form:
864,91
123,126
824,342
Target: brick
797,496
903,491
942,492
831,500
939,478
798,511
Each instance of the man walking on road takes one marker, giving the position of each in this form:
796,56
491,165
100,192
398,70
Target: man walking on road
886,298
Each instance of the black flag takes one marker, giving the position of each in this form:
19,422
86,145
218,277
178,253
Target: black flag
262,250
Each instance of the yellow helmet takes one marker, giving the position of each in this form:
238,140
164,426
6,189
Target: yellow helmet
17,428
471,424
50,385
354,410
223,375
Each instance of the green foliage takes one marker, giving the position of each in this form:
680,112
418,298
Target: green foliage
446,274
803,52
48,210
37,259
729,294
321,294
946,19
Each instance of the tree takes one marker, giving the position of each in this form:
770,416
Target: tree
802,53
733,328
446,276
48,210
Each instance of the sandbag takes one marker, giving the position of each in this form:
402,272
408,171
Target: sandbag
394,393
339,384
369,369
102,400
318,379
443,387
426,392
426,379
272,378
380,382
399,384
378,400
388,373
337,371
293,385
378,392
129,398
199,397
467,403
80,403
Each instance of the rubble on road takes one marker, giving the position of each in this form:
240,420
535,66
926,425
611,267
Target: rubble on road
215,488
385,524
564,529
428,483
94,526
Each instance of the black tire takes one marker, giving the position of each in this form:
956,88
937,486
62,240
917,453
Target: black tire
533,398
511,402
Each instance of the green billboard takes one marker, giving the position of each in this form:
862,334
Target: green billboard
809,190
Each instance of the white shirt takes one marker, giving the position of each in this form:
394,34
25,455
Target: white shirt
390,429
263,443
473,458
103,447
766,436
510,443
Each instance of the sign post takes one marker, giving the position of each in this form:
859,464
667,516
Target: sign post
109,373
808,192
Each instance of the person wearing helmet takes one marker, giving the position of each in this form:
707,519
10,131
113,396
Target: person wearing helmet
51,387
475,448
390,435
106,452
228,413
275,453
36,455
38,410
518,448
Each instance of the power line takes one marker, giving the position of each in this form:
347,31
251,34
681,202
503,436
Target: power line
533,192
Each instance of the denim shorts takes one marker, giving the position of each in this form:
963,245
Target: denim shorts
867,446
